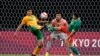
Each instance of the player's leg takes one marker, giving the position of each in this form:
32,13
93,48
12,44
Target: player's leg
38,48
63,36
70,53
48,45
63,29
72,47
62,42
49,42
39,36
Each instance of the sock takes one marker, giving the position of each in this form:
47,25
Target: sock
74,50
68,49
48,46
37,50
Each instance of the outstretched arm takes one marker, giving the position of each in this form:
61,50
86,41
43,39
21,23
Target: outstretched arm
19,27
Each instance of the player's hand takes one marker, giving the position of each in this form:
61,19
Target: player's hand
15,35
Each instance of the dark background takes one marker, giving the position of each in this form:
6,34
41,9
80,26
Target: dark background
12,11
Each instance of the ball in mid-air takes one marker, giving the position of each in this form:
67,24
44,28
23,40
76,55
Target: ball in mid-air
44,15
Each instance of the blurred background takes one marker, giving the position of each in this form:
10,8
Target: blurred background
12,12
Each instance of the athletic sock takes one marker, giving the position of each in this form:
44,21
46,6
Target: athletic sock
37,50
74,50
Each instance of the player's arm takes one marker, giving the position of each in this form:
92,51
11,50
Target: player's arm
65,27
53,25
42,21
19,27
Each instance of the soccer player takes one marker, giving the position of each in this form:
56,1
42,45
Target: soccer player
32,22
57,23
72,29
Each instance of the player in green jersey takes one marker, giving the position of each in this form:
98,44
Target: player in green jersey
72,29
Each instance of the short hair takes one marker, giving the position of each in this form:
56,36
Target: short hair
28,9
58,12
25,12
76,15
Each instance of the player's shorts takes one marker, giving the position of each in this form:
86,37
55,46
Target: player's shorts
60,35
36,32
71,39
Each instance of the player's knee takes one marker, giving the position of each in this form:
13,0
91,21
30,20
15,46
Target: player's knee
40,45
40,42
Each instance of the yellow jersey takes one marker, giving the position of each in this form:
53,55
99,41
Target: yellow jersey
31,21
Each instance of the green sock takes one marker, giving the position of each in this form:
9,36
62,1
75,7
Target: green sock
74,50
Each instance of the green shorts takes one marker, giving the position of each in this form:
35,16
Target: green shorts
36,32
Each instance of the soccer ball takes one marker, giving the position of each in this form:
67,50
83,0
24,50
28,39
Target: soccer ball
44,15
